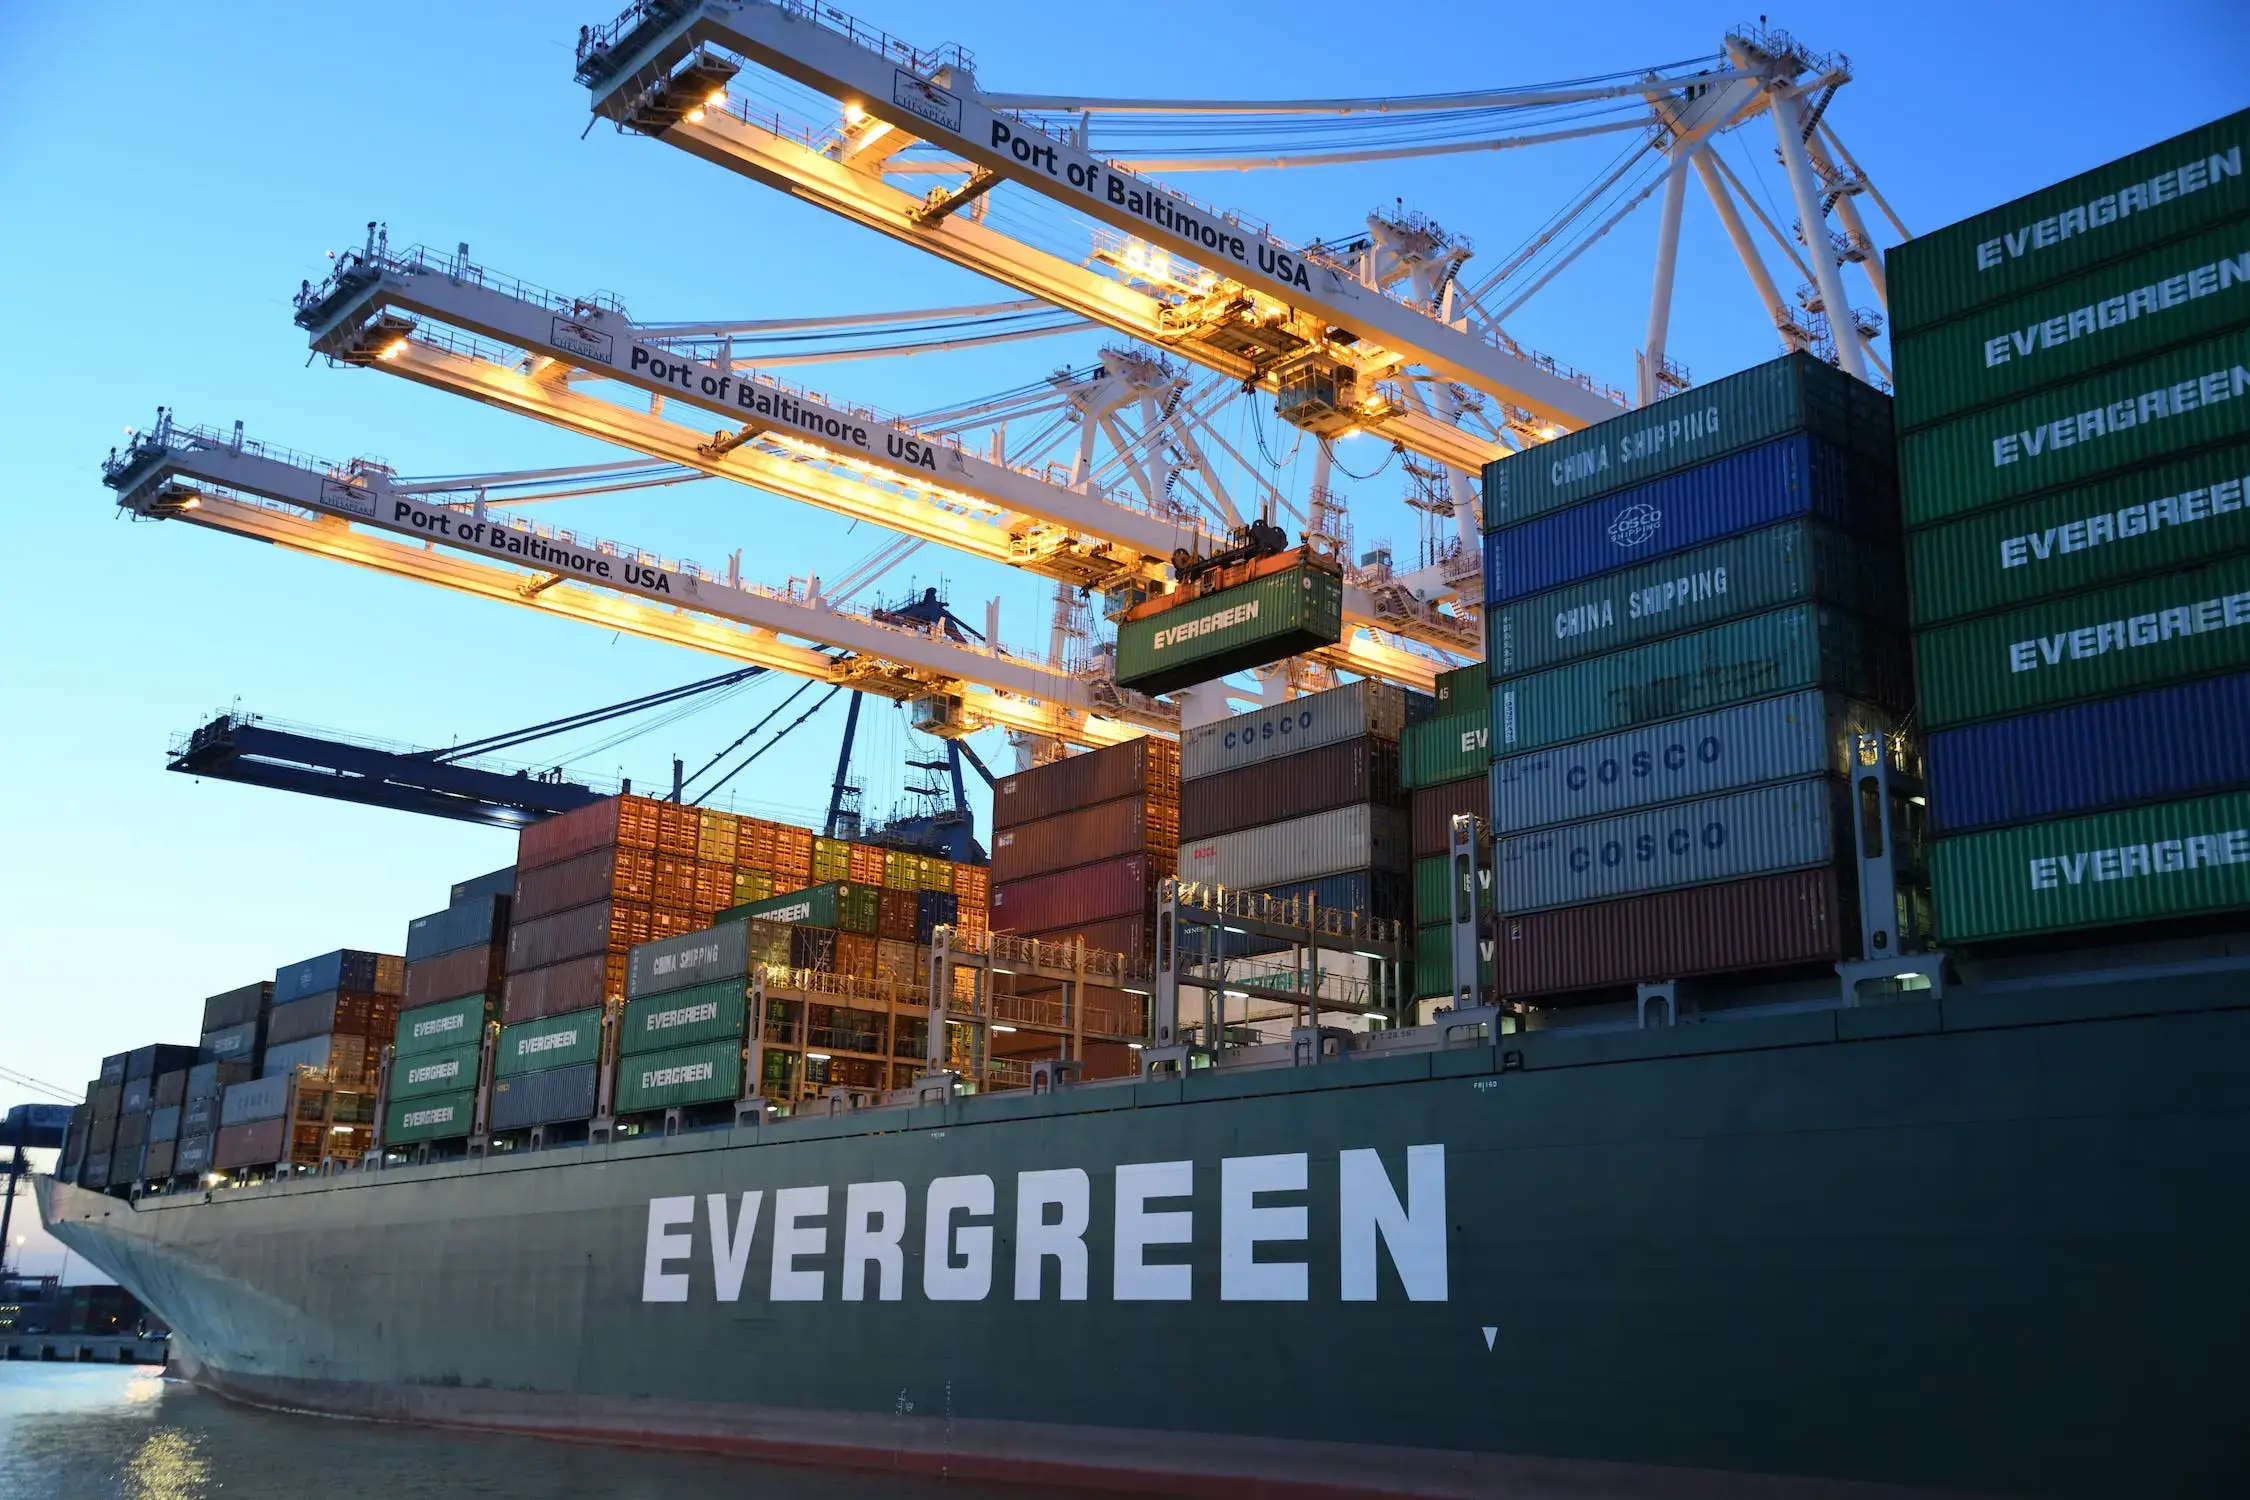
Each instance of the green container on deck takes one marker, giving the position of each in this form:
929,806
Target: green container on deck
1796,562
2175,859
2157,409
2152,520
432,1117
440,1072
1254,624
2194,180
704,1013
2119,640
1433,887
839,906
1461,688
1795,393
702,1074
550,1042
2174,294
449,1023
1763,656
1433,963
1453,748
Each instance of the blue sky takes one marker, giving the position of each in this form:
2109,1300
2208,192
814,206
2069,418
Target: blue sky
168,173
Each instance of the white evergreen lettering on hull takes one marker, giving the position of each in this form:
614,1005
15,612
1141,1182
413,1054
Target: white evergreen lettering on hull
1262,1240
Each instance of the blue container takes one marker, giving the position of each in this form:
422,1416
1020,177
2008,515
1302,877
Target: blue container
548,1098
496,883
465,924
345,969
1779,481
932,910
2158,746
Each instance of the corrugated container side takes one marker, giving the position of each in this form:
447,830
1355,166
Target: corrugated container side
932,910
164,1123
103,1134
1433,888
1301,724
343,1012
95,1173
1145,765
345,969
552,840
208,1080
575,933
2142,864
721,952
2173,294
1133,936
464,924
897,915
237,1006
550,1042
2126,418
2169,190
429,1118
125,1163
1434,808
1384,894
136,1096
449,1023
199,1116
2122,639
1781,481
2170,744
1768,922
349,1057
132,1129
1795,393
1452,748
1280,615
1090,893
500,882
114,1065
812,948
681,1018
564,987
1294,786
464,971
261,1099
193,1156
548,1097
109,1099
812,906
157,1165
1084,836
234,1043
603,874
1347,838
1763,656
169,1087
2149,521
442,1071
1433,963
703,1074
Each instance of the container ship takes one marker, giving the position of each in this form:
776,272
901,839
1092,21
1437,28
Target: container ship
1774,1024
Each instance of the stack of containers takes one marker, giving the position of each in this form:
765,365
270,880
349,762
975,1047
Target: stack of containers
137,1105
294,1118
1079,844
2074,410
334,1014
827,929
1302,798
234,1025
455,962
585,892
1444,768
207,1083
1687,610
686,1014
167,1101
545,1071
105,1100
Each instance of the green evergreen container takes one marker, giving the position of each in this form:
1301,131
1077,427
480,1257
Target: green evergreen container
439,1072
702,1074
705,1013
2118,640
433,1117
1433,963
1759,657
1453,748
449,1023
1460,687
839,906
2172,189
1433,888
1254,624
1795,393
550,1042
1797,562
2143,413
2175,859
2173,294
2152,520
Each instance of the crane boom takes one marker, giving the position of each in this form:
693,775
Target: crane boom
189,474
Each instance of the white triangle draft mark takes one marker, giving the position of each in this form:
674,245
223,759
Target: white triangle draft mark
1489,1335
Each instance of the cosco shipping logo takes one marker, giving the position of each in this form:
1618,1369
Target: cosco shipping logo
1635,524
1257,734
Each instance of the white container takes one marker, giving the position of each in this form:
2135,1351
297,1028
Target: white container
1305,723
1359,837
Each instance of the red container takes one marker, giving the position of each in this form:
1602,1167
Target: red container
169,1088
255,1143
627,821
1764,923
1146,765
573,985
158,1165
597,875
449,976
894,916
1434,807
856,954
565,934
1085,836
1046,903
339,1012
1293,786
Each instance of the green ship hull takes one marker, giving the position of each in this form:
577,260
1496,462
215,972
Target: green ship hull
1994,1243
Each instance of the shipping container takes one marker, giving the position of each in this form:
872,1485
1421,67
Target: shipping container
1791,479
1794,394
1329,843
2173,294
260,1099
1433,888
132,1129
500,882
575,933
1432,811
1090,893
631,822
2143,864
135,1099
208,1080
342,1012
157,1165
831,860
113,1067
1794,563
839,906
679,1018
2160,746
157,1057
2163,193
721,952
1294,786
768,945
236,1006
563,987
1386,895
1459,687
200,1115
812,948
243,1043
2137,635
2140,414
1148,766
1453,748
549,1042
1760,657
450,1023
439,1072
1433,963
1088,835
102,1133
751,885
855,954
254,1143
426,1117
467,924
895,919
1773,921
168,1088
605,874
1357,709
476,970
932,910
95,1172
1776,739
2152,520
1282,614
125,1164
345,969
350,1058
109,1099
702,1074
164,1123
548,1097
192,1158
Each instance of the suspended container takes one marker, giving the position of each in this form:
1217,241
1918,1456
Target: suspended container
1295,608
